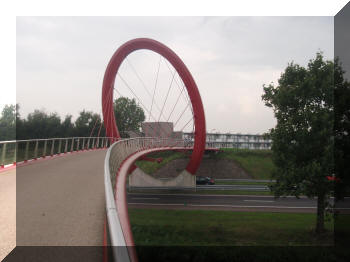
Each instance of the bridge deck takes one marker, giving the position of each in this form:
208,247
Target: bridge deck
7,212
60,202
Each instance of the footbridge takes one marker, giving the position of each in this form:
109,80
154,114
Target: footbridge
71,191
61,200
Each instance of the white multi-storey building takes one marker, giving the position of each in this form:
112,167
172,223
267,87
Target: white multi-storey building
234,140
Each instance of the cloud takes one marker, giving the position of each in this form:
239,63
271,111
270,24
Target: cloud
61,61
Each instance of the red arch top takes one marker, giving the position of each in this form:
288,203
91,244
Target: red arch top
198,111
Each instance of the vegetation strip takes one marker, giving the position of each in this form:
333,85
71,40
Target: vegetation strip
206,227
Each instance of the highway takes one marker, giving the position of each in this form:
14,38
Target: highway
213,187
231,202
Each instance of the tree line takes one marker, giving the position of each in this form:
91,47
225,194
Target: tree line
40,124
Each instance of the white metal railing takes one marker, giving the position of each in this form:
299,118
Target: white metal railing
115,156
23,150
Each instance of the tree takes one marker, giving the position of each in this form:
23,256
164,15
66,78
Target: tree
67,127
128,115
8,123
87,124
39,124
302,141
341,132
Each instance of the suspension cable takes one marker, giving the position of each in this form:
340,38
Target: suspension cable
181,115
186,124
167,94
177,100
153,128
142,82
155,86
185,97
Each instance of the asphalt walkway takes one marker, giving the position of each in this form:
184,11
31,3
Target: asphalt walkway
7,212
60,202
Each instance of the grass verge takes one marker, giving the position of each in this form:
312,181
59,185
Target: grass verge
258,163
151,167
157,227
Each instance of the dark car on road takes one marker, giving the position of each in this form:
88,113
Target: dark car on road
201,180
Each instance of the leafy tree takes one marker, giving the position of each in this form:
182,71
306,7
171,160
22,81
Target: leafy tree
302,141
8,123
39,124
341,132
87,124
67,127
128,115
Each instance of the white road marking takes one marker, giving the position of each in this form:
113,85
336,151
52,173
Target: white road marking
234,206
154,204
145,198
210,195
255,200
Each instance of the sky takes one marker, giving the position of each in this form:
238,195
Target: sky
60,61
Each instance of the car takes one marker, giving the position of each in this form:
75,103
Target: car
201,180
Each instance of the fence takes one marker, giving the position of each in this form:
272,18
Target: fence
16,151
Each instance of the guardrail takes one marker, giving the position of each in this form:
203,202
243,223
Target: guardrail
16,151
115,156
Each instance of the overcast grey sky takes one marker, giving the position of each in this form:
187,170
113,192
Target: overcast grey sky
61,60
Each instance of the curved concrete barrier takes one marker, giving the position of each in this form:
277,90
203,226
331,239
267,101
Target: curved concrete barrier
138,178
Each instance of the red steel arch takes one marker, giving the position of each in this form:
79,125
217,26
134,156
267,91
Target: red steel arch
197,105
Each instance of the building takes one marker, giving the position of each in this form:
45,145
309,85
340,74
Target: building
160,129
246,141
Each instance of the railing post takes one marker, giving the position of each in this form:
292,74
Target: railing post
93,143
15,153
52,146
36,149
72,146
88,144
3,155
98,142
66,146
45,145
78,144
83,145
59,146
26,152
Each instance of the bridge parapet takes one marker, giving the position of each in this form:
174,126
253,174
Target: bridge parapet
124,148
119,158
21,151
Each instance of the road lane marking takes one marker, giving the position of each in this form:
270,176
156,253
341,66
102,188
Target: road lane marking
233,206
155,204
212,195
147,198
255,200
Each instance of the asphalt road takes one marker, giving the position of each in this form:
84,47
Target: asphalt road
213,187
258,203
233,187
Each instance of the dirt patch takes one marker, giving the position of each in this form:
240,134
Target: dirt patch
215,168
